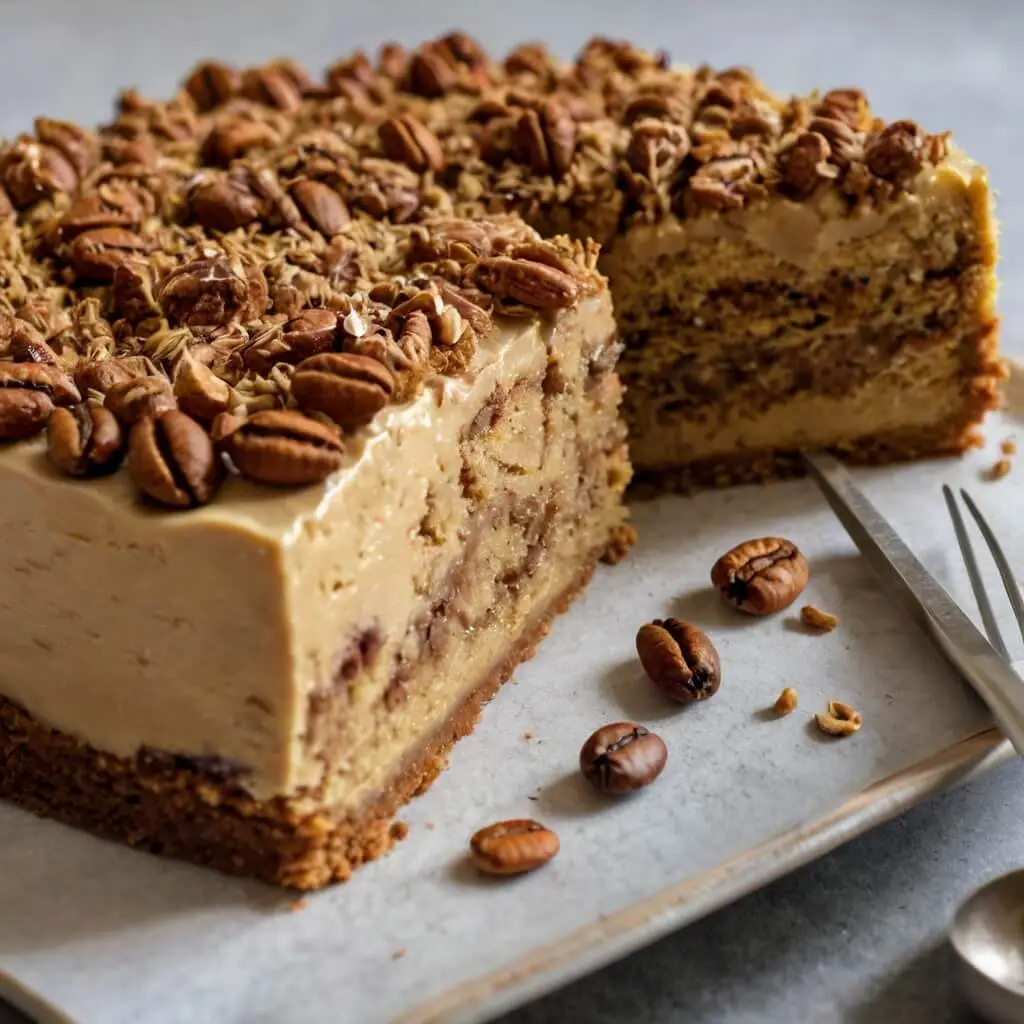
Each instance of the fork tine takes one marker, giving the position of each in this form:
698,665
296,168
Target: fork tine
977,585
1005,572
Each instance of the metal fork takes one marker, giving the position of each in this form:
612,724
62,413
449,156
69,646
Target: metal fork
984,665
1010,584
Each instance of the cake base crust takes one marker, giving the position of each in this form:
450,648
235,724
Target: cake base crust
184,813
766,465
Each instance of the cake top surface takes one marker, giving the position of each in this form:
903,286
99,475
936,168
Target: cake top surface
271,256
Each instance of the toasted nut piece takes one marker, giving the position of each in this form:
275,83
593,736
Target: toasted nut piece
785,702
679,659
815,618
999,470
761,576
513,847
841,720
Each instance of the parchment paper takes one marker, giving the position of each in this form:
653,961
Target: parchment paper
115,937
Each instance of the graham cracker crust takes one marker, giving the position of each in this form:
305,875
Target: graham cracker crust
758,467
185,814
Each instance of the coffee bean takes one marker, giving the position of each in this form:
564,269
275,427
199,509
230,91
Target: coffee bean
85,440
513,847
679,659
761,576
622,757
28,394
173,461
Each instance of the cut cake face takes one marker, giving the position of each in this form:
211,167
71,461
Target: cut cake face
336,360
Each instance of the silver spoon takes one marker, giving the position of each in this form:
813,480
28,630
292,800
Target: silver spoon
988,939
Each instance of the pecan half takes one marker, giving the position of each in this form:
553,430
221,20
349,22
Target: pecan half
679,659
234,138
272,86
85,440
223,204
721,183
512,847
349,389
320,205
406,140
97,254
545,139
172,460
284,448
211,83
761,576
530,283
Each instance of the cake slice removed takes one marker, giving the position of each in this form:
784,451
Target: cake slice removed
259,684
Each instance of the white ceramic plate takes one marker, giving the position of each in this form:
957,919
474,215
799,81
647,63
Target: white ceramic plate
102,934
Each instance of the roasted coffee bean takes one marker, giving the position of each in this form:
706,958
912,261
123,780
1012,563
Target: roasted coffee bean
85,440
282,447
761,576
172,460
622,757
350,389
679,659
132,399
513,847
29,392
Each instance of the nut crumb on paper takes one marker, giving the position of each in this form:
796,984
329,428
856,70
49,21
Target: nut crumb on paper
527,735
997,471
297,905
398,953
786,702
1008,447
841,719
815,618
399,830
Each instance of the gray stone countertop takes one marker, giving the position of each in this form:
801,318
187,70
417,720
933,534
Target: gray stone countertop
860,935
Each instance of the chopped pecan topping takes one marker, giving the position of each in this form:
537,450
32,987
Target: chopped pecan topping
209,291
31,170
805,164
847,105
897,152
721,183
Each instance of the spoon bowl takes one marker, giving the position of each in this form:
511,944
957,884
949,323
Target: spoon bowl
988,939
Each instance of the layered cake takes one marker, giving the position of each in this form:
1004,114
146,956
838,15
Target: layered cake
311,417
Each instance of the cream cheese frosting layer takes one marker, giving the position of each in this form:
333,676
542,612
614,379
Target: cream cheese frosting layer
204,633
